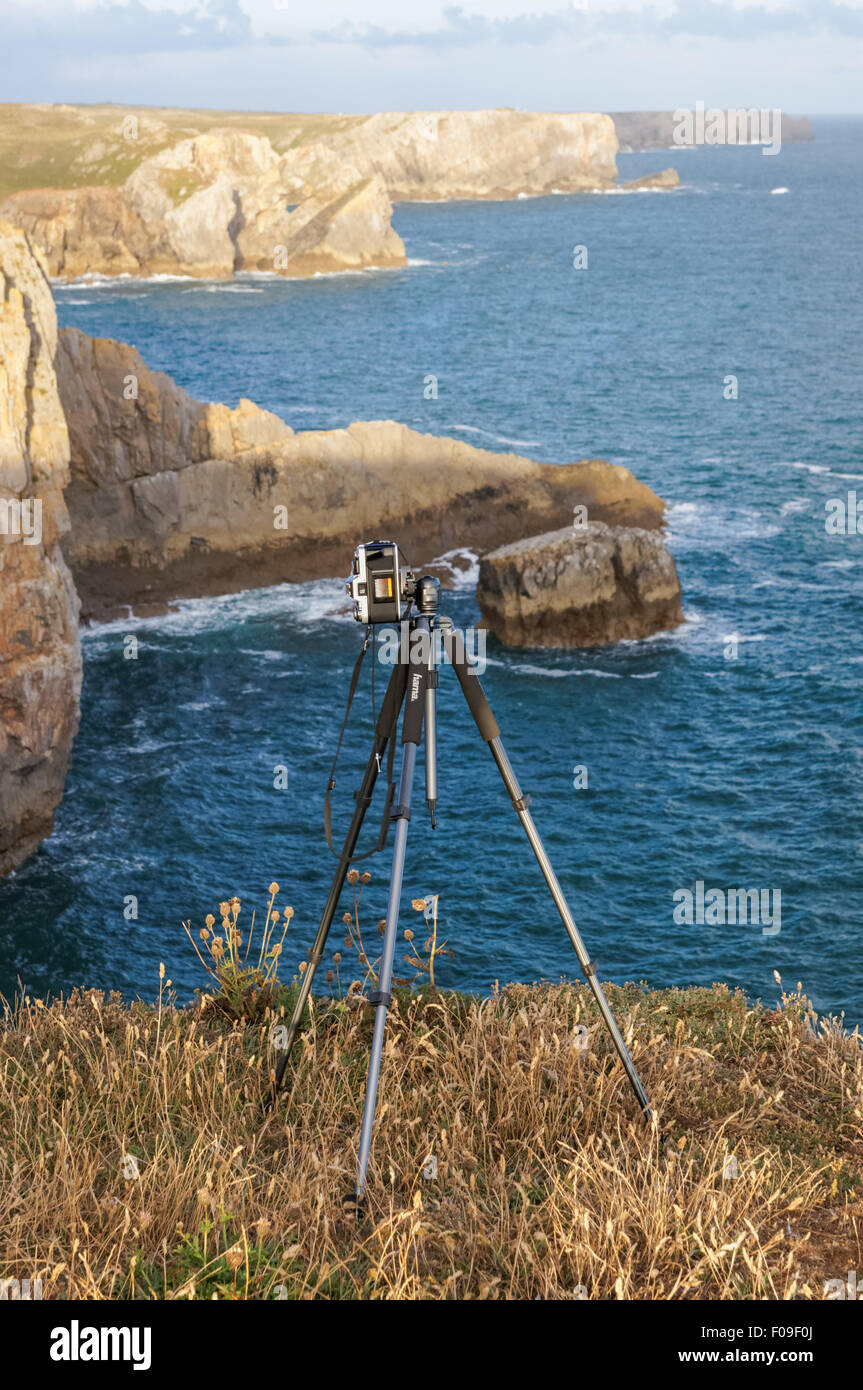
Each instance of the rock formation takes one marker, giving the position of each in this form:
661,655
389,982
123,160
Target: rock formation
665,179
580,588
209,194
209,206
170,496
461,154
40,652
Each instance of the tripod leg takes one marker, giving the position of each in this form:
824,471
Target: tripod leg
488,728
412,732
383,729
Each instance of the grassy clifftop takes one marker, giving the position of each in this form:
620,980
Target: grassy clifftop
508,1161
44,146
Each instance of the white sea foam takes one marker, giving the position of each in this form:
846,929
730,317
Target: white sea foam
94,280
775,191
462,578
705,526
312,602
607,192
222,287
822,470
499,438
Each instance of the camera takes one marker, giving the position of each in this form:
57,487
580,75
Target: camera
378,584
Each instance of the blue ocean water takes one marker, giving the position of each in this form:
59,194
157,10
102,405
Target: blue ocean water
734,770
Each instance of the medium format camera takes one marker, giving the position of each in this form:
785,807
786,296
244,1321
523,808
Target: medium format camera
378,585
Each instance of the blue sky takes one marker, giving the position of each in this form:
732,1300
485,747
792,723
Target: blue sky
805,56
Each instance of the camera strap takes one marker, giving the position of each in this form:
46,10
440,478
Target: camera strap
391,732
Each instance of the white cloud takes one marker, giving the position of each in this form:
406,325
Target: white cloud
325,54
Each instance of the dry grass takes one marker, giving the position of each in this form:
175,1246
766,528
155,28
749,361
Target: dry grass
134,1161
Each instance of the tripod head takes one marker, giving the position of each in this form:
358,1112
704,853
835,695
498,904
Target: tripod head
427,595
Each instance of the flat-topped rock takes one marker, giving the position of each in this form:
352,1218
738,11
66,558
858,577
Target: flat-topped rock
660,182
580,587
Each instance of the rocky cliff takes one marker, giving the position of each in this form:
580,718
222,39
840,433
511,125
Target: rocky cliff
40,653
580,588
109,191
171,496
209,206
461,154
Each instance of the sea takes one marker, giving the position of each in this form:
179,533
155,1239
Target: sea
711,340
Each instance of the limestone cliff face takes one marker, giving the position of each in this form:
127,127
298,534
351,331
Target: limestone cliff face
461,154
580,588
295,201
209,206
40,653
170,496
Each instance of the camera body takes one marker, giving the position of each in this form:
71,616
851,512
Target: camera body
378,585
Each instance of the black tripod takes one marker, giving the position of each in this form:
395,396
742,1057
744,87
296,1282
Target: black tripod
414,682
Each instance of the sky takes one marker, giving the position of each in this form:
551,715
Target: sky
803,56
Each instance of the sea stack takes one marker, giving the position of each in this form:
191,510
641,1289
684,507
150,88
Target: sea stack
580,587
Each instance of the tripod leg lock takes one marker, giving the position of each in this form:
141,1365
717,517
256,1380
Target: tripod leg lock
520,803
314,957
400,812
380,996
589,969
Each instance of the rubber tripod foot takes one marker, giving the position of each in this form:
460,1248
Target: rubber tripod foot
354,1205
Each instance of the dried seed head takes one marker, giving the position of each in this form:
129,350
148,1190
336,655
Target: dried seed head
274,888
347,918
338,958
210,919
366,878
354,876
